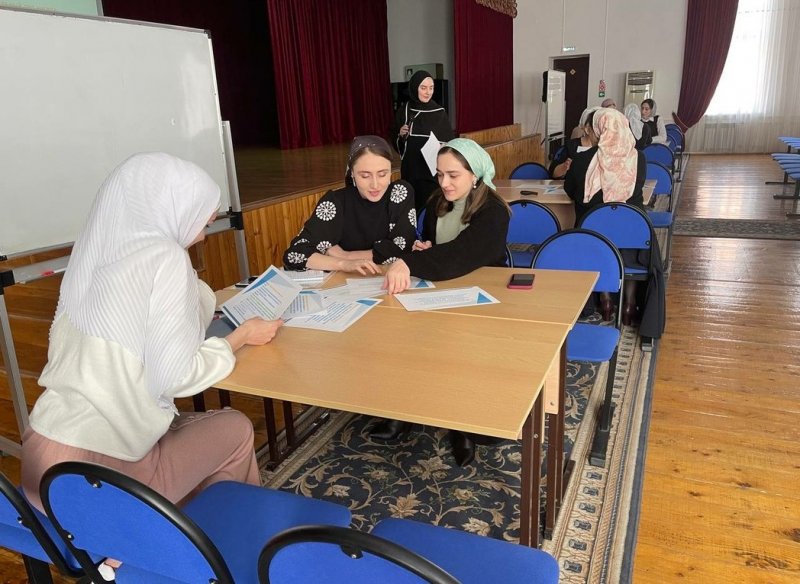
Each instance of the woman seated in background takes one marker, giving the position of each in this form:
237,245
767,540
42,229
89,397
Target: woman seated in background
658,131
414,122
641,131
614,172
129,337
579,142
368,222
465,228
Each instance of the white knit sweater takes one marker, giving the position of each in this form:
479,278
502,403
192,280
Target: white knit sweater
96,397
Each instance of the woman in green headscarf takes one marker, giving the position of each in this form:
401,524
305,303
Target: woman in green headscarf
465,228
466,221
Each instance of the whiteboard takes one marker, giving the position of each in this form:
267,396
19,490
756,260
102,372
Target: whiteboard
556,82
80,95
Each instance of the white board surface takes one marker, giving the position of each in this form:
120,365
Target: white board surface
556,83
82,94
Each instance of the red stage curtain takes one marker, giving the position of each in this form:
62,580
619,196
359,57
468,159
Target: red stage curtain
331,60
709,28
484,64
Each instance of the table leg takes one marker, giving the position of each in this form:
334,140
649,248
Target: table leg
531,475
555,448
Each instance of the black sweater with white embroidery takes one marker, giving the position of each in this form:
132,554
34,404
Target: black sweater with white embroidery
344,218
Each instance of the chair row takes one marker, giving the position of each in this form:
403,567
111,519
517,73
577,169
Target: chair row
790,164
233,532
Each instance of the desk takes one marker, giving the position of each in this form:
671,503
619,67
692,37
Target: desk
551,194
366,369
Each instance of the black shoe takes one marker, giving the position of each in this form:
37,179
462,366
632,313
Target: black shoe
463,448
389,429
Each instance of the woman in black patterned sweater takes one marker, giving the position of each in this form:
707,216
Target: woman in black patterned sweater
370,221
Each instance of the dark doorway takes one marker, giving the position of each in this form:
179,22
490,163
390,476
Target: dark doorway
576,89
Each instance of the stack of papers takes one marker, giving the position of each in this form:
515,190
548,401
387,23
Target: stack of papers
452,298
274,294
308,278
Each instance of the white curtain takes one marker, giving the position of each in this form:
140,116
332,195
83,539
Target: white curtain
758,97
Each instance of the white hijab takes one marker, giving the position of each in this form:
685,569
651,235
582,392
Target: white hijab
129,279
634,115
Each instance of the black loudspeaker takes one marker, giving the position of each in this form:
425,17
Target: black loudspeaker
441,93
544,86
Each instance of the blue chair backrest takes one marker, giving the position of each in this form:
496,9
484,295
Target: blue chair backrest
659,153
115,516
420,223
562,151
676,136
583,250
625,226
314,553
662,176
530,170
531,222
29,532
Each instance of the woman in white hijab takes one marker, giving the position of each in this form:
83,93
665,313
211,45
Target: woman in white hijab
641,132
128,338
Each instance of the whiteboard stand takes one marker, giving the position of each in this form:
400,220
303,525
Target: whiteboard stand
236,205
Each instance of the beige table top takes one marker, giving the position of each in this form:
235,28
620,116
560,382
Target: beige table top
509,190
556,297
423,367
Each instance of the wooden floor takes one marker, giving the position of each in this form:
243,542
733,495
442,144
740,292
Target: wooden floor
721,501
721,498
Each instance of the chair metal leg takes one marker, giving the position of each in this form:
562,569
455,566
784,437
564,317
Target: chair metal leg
37,570
597,455
794,197
199,402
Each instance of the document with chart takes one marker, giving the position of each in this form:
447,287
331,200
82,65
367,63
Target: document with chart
267,297
441,299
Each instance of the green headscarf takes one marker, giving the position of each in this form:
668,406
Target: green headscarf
478,159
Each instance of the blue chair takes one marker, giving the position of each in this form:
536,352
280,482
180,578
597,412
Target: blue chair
530,170
660,153
399,550
531,223
216,537
664,187
580,249
25,530
420,222
626,227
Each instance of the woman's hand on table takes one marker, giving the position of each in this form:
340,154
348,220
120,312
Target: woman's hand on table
362,266
254,331
421,245
398,277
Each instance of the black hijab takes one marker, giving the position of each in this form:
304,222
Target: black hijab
413,92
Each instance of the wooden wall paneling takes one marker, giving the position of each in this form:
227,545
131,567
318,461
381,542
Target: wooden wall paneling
495,135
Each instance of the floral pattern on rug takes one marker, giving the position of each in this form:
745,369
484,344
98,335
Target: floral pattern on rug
417,477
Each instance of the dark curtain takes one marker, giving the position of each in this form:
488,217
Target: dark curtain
484,67
331,60
242,57
709,28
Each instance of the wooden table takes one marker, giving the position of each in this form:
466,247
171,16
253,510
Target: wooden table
387,363
551,194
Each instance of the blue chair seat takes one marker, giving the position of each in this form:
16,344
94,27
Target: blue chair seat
631,271
592,343
471,558
660,219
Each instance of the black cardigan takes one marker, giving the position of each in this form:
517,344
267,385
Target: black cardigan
482,243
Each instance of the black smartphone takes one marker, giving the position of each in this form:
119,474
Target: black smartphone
245,283
521,281
531,193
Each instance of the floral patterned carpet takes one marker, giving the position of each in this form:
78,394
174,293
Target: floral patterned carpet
417,477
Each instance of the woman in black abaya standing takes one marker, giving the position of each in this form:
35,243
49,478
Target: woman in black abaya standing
414,122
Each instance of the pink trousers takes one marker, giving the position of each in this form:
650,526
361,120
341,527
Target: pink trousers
199,449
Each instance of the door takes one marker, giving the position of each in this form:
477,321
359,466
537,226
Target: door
576,90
